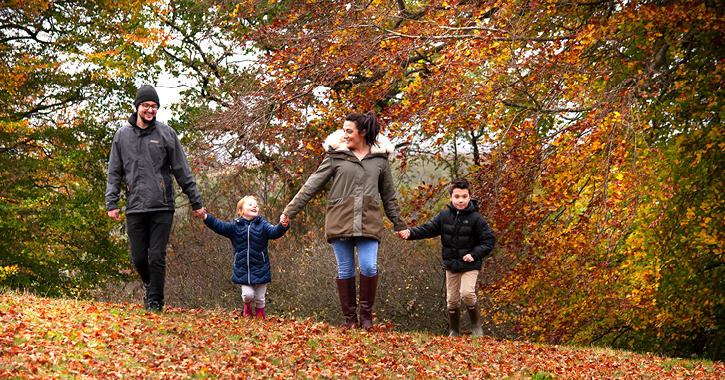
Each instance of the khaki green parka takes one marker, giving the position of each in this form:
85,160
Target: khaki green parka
353,203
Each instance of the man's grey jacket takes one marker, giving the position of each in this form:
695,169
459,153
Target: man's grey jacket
147,159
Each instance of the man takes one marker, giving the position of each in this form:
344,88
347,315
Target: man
146,153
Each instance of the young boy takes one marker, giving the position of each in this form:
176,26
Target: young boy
467,240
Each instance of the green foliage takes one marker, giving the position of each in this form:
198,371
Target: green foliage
68,69
54,236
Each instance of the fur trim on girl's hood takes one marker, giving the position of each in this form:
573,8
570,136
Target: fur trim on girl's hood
336,141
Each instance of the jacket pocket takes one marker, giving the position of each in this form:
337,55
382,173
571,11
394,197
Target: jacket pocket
158,192
339,217
372,218
336,201
157,152
133,200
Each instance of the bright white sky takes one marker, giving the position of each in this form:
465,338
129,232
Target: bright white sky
168,90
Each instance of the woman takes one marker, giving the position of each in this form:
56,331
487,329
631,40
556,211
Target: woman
357,162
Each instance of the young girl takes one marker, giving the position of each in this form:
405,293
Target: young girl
249,235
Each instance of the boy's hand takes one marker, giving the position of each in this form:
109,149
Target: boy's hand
468,258
284,220
403,234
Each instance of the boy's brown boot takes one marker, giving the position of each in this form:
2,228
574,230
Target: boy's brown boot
454,321
368,288
475,315
346,291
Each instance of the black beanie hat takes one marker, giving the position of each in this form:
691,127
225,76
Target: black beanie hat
145,93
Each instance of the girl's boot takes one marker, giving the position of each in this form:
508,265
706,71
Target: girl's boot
475,316
348,302
247,309
260,313
368,287
454,321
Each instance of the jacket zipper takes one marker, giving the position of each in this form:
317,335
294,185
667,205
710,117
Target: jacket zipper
456,223
249,269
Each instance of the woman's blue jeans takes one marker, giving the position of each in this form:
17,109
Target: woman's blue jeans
367,255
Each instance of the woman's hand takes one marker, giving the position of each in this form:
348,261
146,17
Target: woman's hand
468,258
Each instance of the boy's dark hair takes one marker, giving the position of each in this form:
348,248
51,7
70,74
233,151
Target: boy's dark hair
459,183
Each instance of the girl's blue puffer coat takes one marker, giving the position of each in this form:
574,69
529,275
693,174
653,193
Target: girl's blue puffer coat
249,240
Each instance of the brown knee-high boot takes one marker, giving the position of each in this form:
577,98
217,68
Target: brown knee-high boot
454,322
368,287
475,316
347,292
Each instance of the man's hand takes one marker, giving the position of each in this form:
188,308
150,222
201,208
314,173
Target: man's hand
284,220
115,214
403,234
200,213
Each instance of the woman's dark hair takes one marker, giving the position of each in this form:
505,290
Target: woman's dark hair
459,183
368,123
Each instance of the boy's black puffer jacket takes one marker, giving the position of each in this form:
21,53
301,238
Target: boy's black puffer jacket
462,232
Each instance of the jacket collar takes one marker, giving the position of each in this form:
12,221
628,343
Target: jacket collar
132,120
242,220
336,143
472,206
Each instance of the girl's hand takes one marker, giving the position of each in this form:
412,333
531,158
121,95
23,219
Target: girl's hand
468,258
284,220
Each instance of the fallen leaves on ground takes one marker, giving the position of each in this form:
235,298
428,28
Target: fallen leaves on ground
59,338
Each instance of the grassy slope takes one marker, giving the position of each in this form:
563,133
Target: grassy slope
52,338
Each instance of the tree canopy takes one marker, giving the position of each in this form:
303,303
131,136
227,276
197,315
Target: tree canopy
593,130
66,67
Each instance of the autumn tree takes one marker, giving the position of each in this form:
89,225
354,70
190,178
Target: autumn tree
593,130
67,69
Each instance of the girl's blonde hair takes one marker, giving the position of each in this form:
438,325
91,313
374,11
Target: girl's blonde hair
240,204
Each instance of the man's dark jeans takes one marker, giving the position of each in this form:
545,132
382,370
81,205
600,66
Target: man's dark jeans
148,235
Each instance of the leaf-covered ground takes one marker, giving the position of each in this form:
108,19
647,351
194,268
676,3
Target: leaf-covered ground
44,338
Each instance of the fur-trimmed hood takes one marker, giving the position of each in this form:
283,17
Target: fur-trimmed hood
336,142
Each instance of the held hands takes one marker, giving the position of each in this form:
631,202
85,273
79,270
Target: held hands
284,220
403,234
200,213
